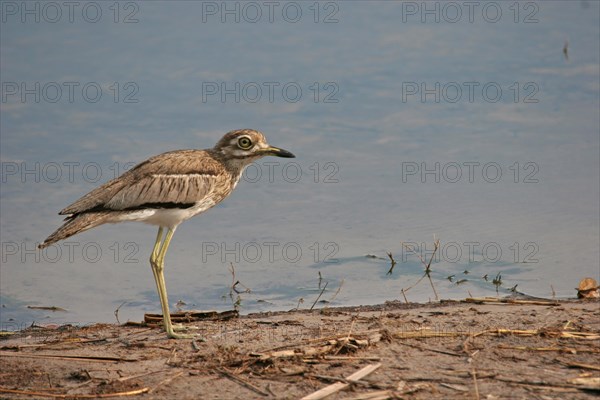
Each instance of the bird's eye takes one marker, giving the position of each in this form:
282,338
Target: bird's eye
244,143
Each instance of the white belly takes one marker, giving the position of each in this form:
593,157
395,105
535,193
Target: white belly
166,217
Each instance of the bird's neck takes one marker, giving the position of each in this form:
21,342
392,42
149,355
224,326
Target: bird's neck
235,166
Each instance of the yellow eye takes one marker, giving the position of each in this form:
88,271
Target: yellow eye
244,143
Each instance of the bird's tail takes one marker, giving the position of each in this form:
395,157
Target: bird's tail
75,224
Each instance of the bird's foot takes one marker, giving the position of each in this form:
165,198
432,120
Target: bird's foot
183,328
174,333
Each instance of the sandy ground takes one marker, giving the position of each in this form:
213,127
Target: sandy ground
448,350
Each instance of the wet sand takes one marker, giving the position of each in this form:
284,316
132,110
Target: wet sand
448,350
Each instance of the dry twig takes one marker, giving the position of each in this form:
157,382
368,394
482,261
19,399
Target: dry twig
165,381
68,358
320,294
393,263
336,387
75,396
427,272
242,382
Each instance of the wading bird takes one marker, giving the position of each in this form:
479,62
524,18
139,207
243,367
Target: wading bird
166,190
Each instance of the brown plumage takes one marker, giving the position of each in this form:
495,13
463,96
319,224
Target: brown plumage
173,180
166,190
176,179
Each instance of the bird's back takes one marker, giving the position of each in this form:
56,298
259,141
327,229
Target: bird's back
172,179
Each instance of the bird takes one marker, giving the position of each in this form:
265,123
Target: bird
166,190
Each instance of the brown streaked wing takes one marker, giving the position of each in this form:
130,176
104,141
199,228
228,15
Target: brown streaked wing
165,189
143,182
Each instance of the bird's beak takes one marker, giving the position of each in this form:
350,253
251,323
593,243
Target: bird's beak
276,151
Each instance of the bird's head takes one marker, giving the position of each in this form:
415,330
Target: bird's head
246,145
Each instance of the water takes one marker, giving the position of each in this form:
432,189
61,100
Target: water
502,166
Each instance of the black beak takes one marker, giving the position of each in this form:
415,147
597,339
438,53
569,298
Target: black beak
276,151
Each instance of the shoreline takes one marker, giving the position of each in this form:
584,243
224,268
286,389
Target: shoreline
475,348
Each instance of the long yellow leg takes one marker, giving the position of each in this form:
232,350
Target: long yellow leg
157,244
154,254
157,262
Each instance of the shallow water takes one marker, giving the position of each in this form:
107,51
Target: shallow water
482,134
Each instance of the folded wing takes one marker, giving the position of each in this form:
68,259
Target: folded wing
174,179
